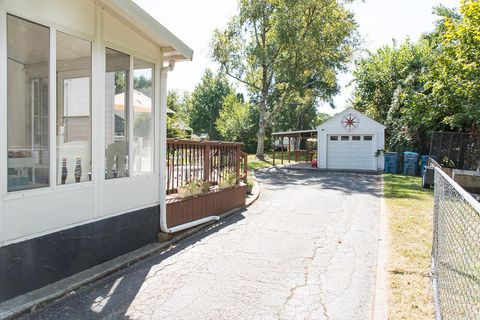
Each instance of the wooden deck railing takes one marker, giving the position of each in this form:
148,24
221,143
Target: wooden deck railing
205,160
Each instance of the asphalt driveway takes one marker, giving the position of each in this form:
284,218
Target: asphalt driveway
305,250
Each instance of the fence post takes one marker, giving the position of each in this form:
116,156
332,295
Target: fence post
237,160
245,168
206,163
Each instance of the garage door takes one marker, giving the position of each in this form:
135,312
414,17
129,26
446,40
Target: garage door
350,152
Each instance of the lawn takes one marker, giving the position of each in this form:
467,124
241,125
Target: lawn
410,209
254,163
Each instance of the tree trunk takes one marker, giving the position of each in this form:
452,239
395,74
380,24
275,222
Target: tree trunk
261,127
261,142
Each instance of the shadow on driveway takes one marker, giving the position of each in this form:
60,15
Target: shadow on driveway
345,181
111,297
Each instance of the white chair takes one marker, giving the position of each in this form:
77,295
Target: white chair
69,153
116,159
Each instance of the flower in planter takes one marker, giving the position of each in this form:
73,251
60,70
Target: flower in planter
193,187
227,180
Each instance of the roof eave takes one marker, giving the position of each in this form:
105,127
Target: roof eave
173,48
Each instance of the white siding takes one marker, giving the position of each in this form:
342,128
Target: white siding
120,37
75,16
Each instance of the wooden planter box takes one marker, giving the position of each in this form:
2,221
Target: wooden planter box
215,203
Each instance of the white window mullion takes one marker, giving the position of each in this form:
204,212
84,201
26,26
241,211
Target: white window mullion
98,112
52,103
3,117
130,117
157,129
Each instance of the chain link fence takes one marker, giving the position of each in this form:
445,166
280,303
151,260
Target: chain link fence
456,251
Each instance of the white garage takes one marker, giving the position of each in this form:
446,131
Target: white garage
351,141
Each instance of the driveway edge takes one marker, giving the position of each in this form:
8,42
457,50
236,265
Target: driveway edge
380,304
30,301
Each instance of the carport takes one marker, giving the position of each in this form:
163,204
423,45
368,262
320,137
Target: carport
297,142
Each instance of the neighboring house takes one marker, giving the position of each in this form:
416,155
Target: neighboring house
82,151
350,140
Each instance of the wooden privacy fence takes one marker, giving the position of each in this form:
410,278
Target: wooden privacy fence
206,160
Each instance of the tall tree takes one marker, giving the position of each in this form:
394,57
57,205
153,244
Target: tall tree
206,102
282,49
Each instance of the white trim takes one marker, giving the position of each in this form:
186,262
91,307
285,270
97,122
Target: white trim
128,51
40,192
129,117
467,196
98,112
338,115
163,148
157,129
52,102
3,118
73,225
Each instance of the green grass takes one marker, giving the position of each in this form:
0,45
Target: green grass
254,163
410,209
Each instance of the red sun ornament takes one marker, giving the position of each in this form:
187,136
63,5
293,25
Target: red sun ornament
350,121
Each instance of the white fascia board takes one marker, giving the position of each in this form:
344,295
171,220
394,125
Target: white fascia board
338,115
141,20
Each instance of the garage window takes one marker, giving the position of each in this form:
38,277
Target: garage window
367,138
345,138
356,138
333,138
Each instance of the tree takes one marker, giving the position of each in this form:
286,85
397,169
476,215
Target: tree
454,80
177,121
234,121
390,88
282,48
206,102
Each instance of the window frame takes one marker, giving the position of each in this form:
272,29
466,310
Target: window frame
96,75
134,54
52,105
74,74
153,113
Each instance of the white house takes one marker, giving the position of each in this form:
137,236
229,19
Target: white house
351,141
82,161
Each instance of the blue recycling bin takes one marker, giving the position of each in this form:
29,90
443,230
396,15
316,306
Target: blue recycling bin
424,160
391,162
410,162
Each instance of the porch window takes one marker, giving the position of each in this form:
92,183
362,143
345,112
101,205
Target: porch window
73,109
116,114
28,50
143,107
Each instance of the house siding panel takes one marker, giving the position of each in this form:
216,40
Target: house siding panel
31,264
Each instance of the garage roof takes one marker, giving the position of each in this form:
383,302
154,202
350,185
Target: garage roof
173,48
338,115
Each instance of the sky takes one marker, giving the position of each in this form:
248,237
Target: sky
193,21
